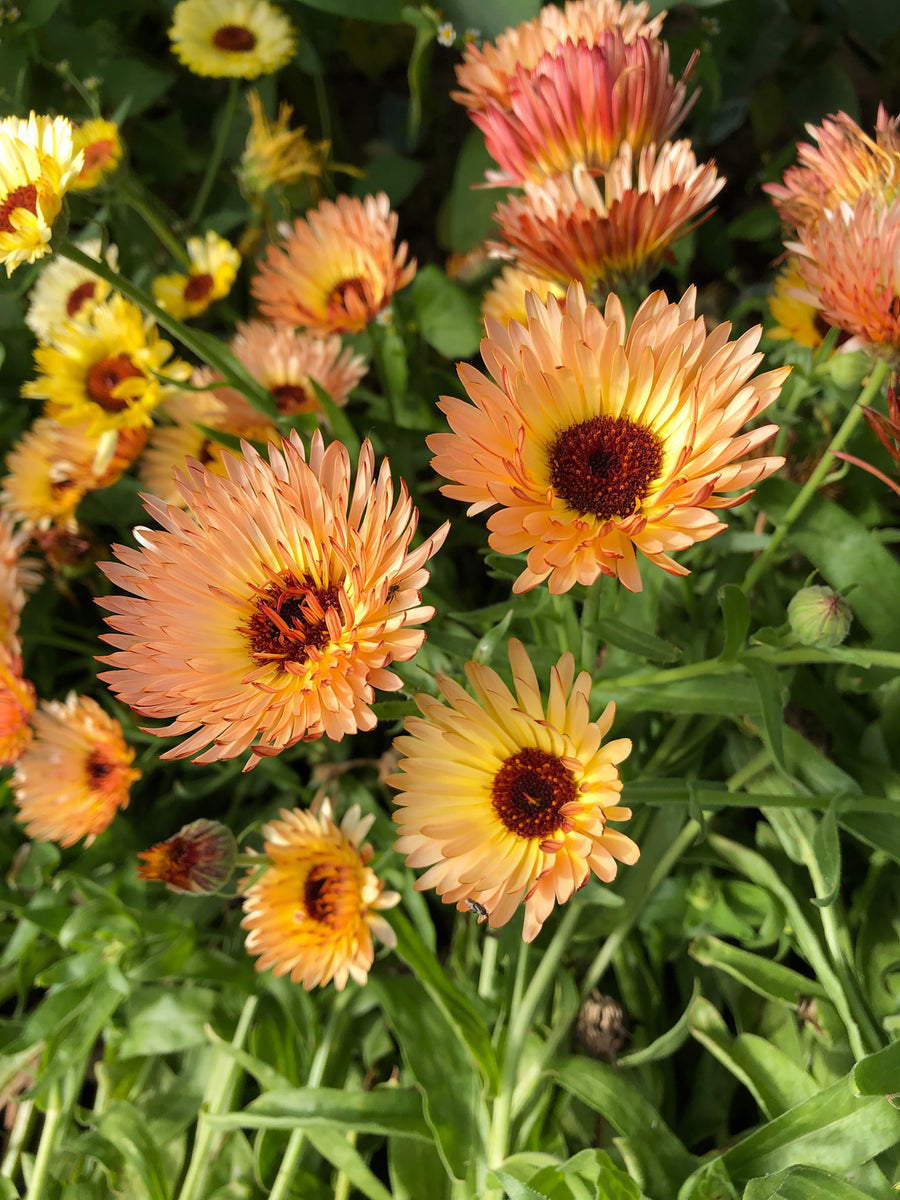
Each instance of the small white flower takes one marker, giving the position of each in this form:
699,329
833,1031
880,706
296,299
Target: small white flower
446,34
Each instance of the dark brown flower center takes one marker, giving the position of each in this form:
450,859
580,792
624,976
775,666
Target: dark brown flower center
97,154
290,620
105,376
235,39
605,466
99,770
344,290
326,893
20,197
292,398
83,292
528,792
197,288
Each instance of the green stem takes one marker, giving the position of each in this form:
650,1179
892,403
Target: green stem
801,387
812,485
133,196
488,966
208,349
218,152
17,1138
216,1099
37,1184
589,615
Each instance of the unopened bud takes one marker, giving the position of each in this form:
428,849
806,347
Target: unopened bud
199,859
819,616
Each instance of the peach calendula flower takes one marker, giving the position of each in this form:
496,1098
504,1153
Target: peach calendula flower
38,164
240,39
103,372
16,708
214,267
484,74
18,577
504,800
197,860
285,360
337,269
67,292
844,164
850,266
596,441
580,104
101,146
797,320
75,775
505,298
269,612
613,230
317,904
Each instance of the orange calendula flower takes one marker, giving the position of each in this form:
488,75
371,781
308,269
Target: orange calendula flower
504,800
38,164
18,576
238,39
843,165
198,860
596,440
269,612
214,267
505,298
797,320
317,905
484,75
580,105
337,269
75,776
99,142
16,708
285,360
613,230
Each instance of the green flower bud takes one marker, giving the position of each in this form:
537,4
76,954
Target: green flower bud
819,616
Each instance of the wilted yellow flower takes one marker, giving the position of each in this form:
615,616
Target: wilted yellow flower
316,906
276,155
75,775
67,292
99,142
242,39
505,800
197,860
16,708
214,267
38,164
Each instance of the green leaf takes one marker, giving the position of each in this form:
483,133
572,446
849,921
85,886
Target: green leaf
665,1045
469,220
416,1170
387,1111
802,1183
711,1182
735,618
161,1020
765,676
343,1155
879,832
636,641
662,1160
450,319
516,1190
341,427
489,19
387,12
827,850
761,975
122,1124
879,1074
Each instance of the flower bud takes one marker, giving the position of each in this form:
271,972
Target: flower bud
819,616
197,860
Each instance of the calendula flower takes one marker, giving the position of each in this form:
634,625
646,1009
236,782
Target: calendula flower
504,800
337,269
505,299
849,262
242,39
103,372
614,230
67,292
75,775
38,164
214,267
276,155
52,467
315,908
18,577
16,708
843,165
198,860
285,360
579,105
101,146
268,613
484,74
596,441
797,321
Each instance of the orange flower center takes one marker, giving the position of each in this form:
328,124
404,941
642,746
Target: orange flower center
103,774
83,292
197,288
96,156
329,895
234,39
528,792
20,197
605,466
292,398
105,376
290,620
171,862
353,290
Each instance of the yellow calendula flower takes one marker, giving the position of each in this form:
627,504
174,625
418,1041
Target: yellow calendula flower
505,298
276,155
104,372
797,320
99,142
38,164
241,39
67,292
214,267
16,708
